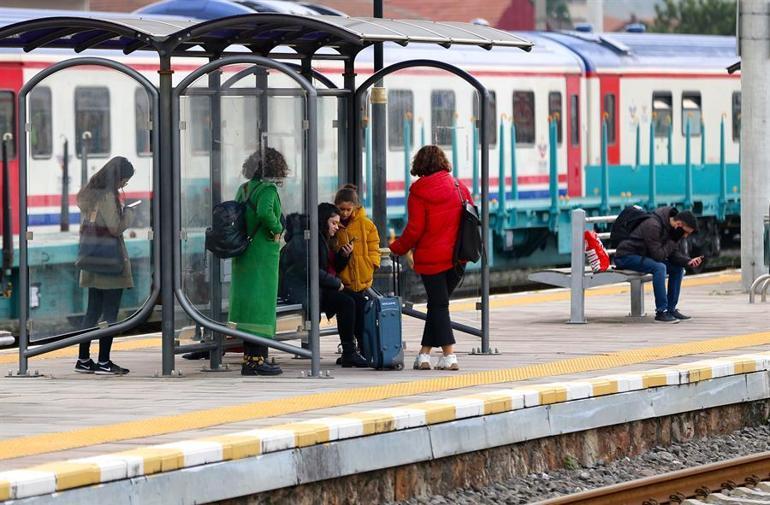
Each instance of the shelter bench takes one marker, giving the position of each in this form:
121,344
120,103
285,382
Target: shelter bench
578,277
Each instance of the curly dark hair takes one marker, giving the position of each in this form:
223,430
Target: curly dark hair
274,165
429,160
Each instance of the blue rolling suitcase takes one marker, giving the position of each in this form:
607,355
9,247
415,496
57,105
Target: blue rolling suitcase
383,347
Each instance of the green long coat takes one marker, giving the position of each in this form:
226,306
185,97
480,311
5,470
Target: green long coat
254,282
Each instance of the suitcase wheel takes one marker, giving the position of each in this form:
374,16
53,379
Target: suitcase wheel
400,366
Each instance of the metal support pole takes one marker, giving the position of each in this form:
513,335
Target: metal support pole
687,167
167,210
702,144
514,176
85,139
379,165
652,185
407,159
349,128
215,167
722,172
475,158
64,218
7,227
368,140
577,263
501,176
311,150
484,138
455,148
670,144
605,205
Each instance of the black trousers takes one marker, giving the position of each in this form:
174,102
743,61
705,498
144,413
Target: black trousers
250,349
103,305
343,304
439,287
360,298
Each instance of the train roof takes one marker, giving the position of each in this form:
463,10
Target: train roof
612,52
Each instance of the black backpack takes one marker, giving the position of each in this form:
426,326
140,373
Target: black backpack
628,219
227,236
469,245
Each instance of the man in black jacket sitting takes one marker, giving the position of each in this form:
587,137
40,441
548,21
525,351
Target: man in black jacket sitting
654,246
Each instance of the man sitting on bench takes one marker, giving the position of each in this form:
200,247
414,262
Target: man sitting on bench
654,247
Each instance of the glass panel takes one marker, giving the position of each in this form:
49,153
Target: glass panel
661,112
143,118
69,291
691,113
574,120
492,124
554,110
328,147
609,111
92,116
400,109
7,119
245,136
442,112
737,116
524,116
41,134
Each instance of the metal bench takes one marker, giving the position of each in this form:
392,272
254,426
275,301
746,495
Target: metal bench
579,278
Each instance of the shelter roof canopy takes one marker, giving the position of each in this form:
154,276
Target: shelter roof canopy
259,32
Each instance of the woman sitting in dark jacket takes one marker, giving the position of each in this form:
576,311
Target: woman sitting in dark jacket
334,301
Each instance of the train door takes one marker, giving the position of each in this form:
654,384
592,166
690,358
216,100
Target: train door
610,95
574,166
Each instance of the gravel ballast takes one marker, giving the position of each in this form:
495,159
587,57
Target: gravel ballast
574,479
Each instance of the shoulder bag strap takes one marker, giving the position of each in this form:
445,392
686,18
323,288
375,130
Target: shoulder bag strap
459,193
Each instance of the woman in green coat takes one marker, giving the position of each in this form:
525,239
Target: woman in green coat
254,284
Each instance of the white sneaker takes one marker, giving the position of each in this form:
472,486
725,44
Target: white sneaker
448,362
422,362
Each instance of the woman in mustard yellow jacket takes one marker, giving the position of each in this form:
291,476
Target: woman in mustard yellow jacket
359,232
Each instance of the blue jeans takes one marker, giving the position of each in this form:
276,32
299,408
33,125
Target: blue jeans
658,269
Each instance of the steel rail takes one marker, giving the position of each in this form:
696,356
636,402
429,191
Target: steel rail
675,487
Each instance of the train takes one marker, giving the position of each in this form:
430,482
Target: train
641,98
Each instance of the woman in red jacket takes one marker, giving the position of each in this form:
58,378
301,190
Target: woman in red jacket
435,205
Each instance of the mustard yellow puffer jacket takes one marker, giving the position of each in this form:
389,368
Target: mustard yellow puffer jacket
359,273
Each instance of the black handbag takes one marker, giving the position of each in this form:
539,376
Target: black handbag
99,251
469,245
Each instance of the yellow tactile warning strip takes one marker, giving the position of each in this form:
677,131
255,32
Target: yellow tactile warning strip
50,442
496,302
51,477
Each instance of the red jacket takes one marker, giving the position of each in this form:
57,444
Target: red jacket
434,218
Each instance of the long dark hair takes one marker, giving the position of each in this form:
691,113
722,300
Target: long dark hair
325,211
106,181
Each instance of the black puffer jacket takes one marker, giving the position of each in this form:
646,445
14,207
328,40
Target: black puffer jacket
655,238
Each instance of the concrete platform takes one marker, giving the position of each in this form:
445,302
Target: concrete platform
65,415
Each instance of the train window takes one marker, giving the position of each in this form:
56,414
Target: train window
554,110
574,120
41,133
737,116
524,116
442,111
661,112
609,111
400,108
7,119
92,114
691,112
143,117
492,119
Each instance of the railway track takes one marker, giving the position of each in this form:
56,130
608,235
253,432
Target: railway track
744,480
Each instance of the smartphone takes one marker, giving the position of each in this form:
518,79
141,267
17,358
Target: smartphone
134,204
352,240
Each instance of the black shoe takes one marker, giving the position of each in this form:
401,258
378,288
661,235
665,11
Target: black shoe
664,317
353,359
85,367
196,355
256,365
110,368
679,315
